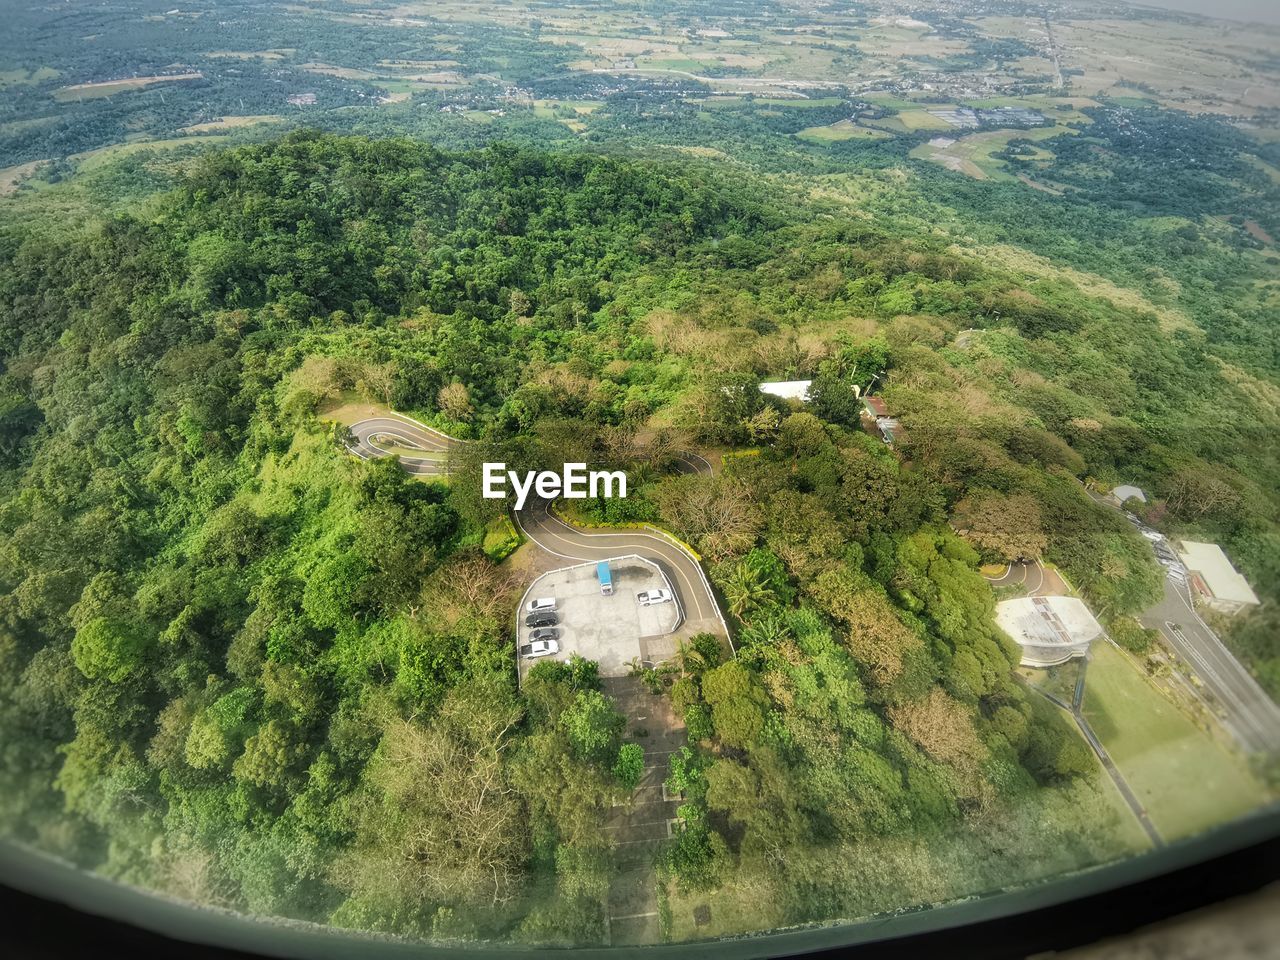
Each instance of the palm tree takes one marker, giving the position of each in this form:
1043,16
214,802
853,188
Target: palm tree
746,590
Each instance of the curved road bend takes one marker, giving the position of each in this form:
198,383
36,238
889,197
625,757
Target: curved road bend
406,436
560,539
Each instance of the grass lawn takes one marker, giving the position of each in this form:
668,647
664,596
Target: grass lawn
924,120
95,159
1186,781
838,131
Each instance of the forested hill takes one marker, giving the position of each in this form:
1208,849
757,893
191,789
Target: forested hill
242,667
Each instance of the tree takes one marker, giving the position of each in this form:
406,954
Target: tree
442,824
1006,527
593,726
737,703
454,400
629,767
746,589
109,649
833,397
717,514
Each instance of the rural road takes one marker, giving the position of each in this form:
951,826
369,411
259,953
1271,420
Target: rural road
560,539
422,450
1245,708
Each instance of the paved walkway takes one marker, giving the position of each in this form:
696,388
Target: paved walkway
639,828
1075,708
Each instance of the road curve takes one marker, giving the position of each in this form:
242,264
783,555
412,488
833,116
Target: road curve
560,539
687,461
423,451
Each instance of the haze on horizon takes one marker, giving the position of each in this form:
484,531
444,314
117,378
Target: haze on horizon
1260,11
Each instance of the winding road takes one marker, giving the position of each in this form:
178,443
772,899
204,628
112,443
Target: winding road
560,539
423,451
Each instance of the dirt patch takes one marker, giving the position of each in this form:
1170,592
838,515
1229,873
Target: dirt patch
11,177
1256,231
351,413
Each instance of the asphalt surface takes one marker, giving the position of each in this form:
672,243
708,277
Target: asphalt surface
1242,705
689,462
1030,575
422,450
570,543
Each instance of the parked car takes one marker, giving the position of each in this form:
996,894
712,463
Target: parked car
647,598
539,648
545,633
1155,536
541,620
541,605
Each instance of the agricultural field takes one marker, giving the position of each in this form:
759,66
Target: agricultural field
231,123
108,88
972,154
840,131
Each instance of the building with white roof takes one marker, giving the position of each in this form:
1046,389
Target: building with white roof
1128,492
1214,578
1050,630
788,389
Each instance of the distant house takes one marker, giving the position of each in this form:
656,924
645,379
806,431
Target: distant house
877,421
1214,578
1050,630
788,389
1127,492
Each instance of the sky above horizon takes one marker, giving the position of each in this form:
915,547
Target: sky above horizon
1262,11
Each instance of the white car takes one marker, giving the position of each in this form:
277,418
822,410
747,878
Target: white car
647,598
1155,536
539,648
541,605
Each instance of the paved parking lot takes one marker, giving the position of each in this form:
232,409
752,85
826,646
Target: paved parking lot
611,630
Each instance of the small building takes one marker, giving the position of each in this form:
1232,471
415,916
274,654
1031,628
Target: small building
1126,492
877,421
788,389
1214,579
875,407
1050,630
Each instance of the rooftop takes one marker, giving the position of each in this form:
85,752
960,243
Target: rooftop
1216,571
787,389
1048,621
1049,629
1128,492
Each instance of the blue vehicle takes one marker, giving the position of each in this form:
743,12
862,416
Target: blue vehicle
605,577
